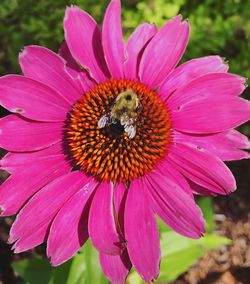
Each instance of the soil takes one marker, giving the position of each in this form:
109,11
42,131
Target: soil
227,265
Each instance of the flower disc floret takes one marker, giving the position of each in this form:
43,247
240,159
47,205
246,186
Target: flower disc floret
108,153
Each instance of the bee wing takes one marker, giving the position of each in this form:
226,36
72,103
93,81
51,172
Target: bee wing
103,121
130,130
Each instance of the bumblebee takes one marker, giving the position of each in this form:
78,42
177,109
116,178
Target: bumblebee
124,111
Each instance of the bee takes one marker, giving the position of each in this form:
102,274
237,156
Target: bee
123,111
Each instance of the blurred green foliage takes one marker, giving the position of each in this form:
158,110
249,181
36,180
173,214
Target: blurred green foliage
217,27
82,269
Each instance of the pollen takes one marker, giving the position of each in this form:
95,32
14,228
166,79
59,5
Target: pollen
108,153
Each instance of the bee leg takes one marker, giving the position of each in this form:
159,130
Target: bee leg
130,130
103,121
124,120
113,121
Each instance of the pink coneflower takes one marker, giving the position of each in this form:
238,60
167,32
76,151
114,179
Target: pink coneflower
105,136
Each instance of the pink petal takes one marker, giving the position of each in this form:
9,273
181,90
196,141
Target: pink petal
71,220
163,52
200,190
211,115
209,104
43,65
74,69
175,206
102,227
189,71
19,134
11,162
115,267
225,145
83,38
32,99
120,194
141,232
203,168
112,40
29,241
33,221
28,176
134,48
171,173
240,141
213,85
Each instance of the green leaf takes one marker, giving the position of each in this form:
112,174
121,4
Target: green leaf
33,270
177,263
179,252
212,241
71,272
206,206
162,226
172,242
93,270
134,278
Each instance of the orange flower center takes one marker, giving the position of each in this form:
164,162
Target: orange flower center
118,131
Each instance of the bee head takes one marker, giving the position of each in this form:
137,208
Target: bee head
127,99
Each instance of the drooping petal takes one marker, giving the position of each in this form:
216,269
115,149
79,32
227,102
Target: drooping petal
134,48
171,173
20,134
115,267
213,85
211,115
203,168
75,69
189,71
209,104
71,220
200,190
44,205
29,241
23,183
32,99
163,52
120,194
175,206
12,161
43,65
83,38
102,221
141,232
112,39
225,145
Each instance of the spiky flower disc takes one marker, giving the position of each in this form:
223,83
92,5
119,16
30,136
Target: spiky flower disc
108,153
